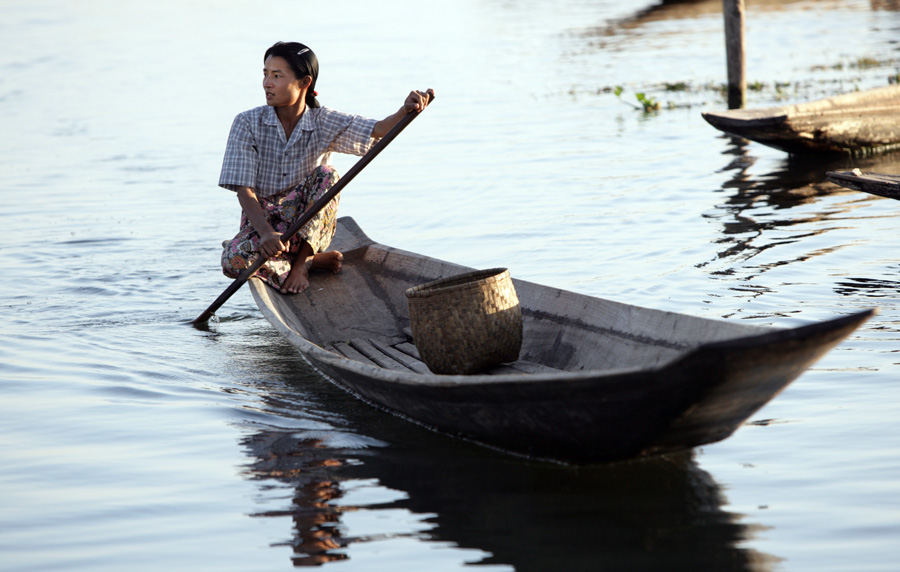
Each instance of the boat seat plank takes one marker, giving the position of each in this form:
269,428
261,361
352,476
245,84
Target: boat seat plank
411,362
516,367
375,355
400,358
348,352
409,349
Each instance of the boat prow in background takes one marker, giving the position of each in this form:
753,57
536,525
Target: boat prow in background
596,380
872,183
856,124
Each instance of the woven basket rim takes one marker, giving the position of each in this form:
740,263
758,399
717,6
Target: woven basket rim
450,283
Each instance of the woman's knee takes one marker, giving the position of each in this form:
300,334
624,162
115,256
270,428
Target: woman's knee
235,257
324,175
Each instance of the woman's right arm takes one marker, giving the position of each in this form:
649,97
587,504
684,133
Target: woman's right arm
415,101
270,241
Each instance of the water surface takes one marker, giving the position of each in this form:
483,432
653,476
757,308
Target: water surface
131,441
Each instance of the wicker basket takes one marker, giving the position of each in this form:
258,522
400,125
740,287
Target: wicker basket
466,323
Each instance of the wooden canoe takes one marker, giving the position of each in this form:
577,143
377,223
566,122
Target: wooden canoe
596,380
855,124
872,183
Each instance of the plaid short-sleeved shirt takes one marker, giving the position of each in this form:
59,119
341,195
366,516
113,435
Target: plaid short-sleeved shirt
257,155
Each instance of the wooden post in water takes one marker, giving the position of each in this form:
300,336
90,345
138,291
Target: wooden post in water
733,11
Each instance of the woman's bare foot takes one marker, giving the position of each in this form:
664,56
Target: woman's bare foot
298,278
331,260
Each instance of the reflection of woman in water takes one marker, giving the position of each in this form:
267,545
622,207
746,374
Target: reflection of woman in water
317,524
310,468
277,161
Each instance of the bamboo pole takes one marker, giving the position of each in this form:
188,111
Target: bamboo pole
733,11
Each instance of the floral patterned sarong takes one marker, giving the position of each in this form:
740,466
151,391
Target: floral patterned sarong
281,210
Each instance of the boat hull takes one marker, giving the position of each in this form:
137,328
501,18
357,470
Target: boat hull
675,394
855,124
872,183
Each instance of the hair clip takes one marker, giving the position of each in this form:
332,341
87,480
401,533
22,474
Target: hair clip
303,51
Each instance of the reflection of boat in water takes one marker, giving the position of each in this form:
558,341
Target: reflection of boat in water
855,124
673,10
883,186
663,513
869,287
757,204
596,380
656,514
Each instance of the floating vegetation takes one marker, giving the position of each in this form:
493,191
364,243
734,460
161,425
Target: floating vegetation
867,63
777,91
648,104
679,86
862,63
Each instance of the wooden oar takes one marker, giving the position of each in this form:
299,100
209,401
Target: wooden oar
310,212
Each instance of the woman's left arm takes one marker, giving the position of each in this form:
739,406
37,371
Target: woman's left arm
415,101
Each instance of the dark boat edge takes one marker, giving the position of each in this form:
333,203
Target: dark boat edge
878,184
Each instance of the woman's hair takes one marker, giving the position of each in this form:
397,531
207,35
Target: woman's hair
303,63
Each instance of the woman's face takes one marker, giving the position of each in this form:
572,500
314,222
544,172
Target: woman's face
280,84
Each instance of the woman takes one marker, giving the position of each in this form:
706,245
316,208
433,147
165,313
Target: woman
277,161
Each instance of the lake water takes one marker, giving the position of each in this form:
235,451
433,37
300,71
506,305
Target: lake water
131,441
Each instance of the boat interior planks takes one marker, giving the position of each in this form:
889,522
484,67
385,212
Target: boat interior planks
596,380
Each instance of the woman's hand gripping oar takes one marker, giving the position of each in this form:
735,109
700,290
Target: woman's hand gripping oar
311,212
